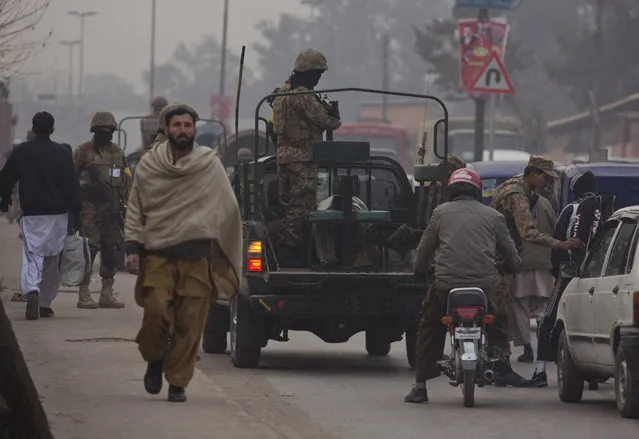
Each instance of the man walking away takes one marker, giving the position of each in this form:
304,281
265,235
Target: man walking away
581,219
183,236
50,197
533,283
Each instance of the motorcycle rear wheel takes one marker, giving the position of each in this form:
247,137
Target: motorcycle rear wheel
468,389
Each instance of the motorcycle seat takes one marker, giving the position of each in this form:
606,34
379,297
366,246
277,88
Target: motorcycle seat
467,297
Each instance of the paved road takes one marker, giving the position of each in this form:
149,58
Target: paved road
304,388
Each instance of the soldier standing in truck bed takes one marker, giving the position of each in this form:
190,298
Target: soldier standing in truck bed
299,120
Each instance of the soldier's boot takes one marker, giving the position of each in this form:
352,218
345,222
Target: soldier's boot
417,394
84,299
107,299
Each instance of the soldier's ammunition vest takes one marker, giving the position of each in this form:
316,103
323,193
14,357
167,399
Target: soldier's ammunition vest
513,186
110,165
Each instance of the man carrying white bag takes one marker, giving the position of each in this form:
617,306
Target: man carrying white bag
75,261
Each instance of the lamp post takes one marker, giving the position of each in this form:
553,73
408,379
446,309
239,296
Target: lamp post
152,68
70,45
82,16
224,35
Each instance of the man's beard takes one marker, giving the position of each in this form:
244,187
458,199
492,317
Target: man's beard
182,142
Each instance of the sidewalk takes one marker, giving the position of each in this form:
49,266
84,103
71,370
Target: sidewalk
88,371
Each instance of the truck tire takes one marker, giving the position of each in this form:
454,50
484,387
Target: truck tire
570,380
626,387
246,334
376,344
411,344
214,340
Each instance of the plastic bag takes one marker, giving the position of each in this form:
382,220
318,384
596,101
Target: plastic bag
75,261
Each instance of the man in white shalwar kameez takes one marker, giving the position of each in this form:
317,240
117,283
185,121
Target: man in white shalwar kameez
50,198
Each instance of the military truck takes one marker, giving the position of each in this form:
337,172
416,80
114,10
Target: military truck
371,288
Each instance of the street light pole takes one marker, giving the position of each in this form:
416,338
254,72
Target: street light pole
224,33
82,16
152,68
70,45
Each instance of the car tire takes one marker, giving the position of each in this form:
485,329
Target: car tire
626,387
570,380
214,338
246,330
376,344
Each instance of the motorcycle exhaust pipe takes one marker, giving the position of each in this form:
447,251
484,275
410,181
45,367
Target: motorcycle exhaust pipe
489,375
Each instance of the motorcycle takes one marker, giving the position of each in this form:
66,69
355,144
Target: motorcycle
470,363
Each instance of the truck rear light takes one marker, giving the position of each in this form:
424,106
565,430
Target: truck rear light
467,313
255,264
255,247
635,308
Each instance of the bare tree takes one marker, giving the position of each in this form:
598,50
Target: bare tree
19,41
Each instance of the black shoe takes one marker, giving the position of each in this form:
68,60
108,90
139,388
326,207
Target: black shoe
526,357
540,379
506,376
46,313
153,377
33,306
417,395
176,394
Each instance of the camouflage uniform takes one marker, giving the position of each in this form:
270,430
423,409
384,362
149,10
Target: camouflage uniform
150,125
298,121
102,208
514,198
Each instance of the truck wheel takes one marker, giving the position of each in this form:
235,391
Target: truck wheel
570,380
626,387
376,344
217,325
246,334
411,344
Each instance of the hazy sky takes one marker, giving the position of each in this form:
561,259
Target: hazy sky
117,40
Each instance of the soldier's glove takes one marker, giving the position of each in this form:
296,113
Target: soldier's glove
333,109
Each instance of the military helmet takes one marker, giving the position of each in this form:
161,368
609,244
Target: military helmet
159,102
310,59
103,119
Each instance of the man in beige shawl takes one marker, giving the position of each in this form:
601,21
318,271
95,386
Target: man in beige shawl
184,240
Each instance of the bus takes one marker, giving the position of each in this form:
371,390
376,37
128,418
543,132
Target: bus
509,138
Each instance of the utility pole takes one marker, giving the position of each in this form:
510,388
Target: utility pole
480,109
597,68
70,45
82,16
152,67
385,78
224,39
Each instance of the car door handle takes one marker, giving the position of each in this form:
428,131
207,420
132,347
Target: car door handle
615,290
591,291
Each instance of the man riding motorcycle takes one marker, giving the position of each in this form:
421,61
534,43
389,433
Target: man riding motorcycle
462,237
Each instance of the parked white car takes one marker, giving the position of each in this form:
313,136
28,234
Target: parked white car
598,318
